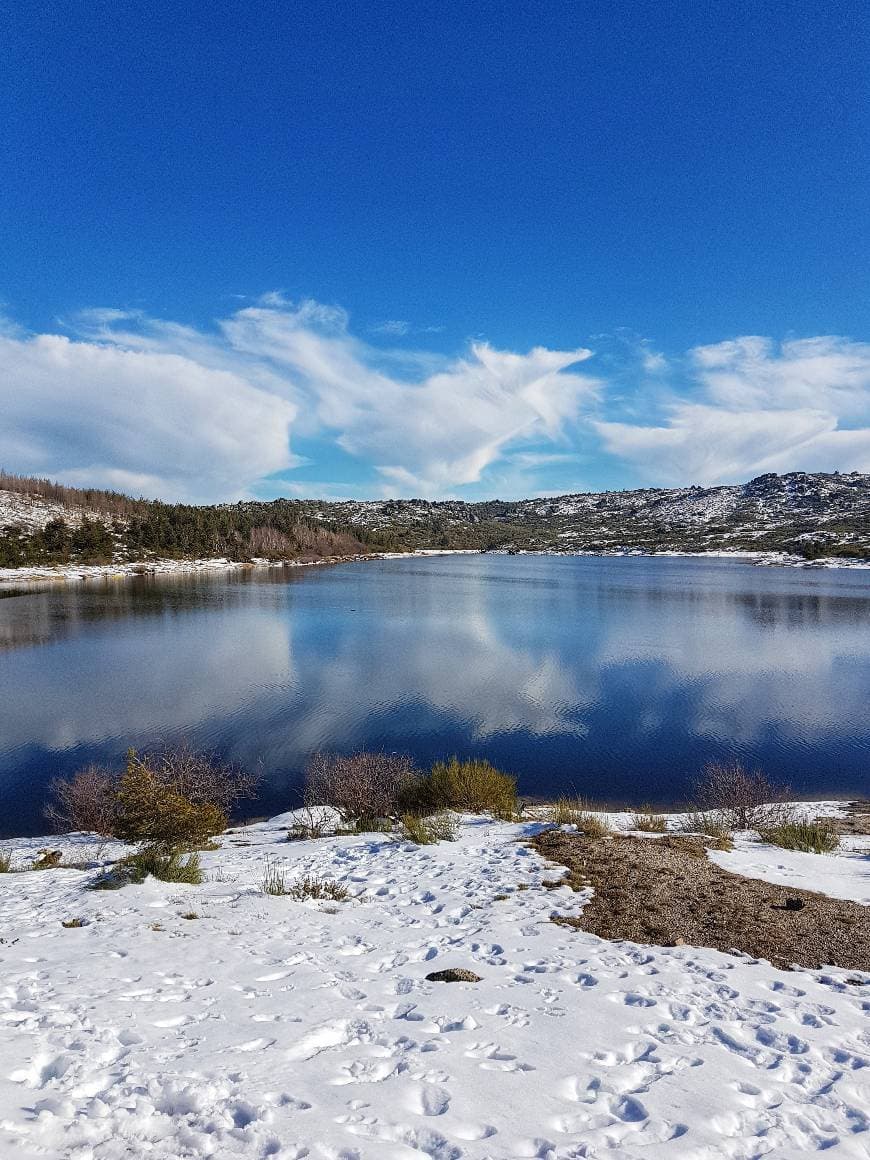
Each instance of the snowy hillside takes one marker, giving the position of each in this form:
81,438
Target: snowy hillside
800,512
217,1021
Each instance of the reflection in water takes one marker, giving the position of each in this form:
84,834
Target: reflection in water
615,677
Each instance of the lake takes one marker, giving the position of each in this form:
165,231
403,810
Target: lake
612,677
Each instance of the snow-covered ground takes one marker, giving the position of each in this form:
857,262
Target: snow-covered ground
267,1027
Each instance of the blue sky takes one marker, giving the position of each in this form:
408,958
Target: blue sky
433,249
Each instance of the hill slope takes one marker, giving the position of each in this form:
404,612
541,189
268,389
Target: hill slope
811,515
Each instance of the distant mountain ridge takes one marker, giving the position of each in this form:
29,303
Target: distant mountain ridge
808,514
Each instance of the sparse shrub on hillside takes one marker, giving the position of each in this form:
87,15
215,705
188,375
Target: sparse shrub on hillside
5,862
474,785
818,837
360,785
745,799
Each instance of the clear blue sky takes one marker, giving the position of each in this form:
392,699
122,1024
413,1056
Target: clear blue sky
635,179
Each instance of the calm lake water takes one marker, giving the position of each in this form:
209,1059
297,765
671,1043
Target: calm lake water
616,678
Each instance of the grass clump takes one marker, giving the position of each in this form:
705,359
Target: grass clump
818,837
5,863
648,821
72,923
474,786
426,831
711,823
274,878
166,865
578,812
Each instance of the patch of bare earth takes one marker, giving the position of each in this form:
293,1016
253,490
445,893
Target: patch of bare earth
855,820
666,891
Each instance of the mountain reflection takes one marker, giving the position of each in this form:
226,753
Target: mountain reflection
616,677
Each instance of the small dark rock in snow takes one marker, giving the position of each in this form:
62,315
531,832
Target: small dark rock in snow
453,975
794,904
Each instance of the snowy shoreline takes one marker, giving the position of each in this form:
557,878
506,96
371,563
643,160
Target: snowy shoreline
179,1022
73,573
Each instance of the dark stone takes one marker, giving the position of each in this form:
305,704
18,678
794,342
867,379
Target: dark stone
453,975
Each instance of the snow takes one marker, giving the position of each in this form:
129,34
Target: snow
267,1027
846,876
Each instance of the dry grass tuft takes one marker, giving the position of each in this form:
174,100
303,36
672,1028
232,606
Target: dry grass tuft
426,831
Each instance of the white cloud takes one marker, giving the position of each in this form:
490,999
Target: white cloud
803,405
142,421
165,409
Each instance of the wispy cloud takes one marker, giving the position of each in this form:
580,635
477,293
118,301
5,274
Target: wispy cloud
756,406
166,409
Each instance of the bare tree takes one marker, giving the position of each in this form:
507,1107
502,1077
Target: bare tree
744,799
361,785
87,801
201,778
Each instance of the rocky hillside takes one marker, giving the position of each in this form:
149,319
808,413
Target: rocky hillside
809,515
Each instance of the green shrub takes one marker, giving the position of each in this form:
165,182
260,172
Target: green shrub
475,786
167,865
151,810
5,863
648,821
426,831
819,837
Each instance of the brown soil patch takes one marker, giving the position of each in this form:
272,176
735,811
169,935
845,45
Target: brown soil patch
856,820
666,891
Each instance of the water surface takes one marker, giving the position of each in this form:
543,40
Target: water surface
615,677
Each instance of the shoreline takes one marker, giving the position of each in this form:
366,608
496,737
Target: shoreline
78,573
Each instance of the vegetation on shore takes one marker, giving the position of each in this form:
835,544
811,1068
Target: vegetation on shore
806,515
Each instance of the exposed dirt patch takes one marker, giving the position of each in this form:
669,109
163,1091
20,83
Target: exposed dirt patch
666,891
856,820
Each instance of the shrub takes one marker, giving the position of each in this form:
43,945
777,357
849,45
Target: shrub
202,778
313,886
87,802
168,866
475,786
426,831
152,810
819,837
746,799
578,812
648,821
5,863
176,796
361,785
311,822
